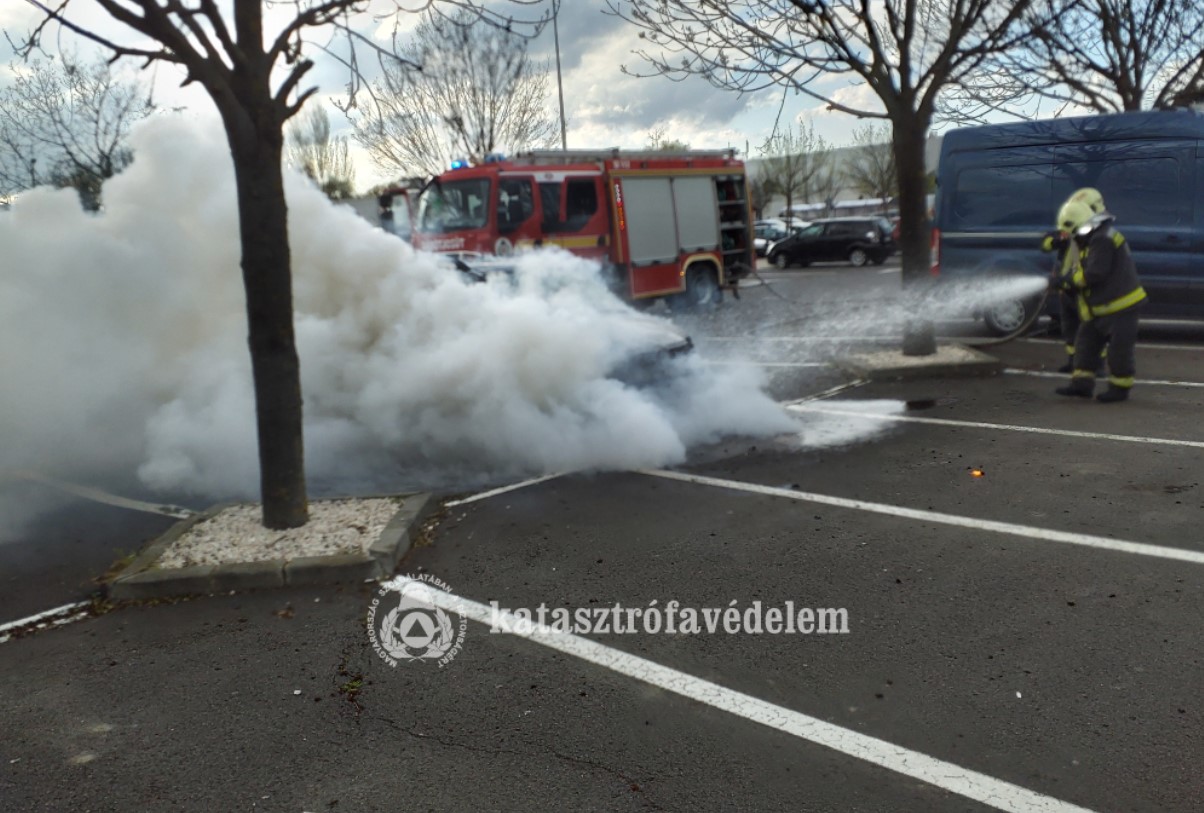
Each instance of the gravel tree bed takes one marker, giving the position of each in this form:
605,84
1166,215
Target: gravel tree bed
236,534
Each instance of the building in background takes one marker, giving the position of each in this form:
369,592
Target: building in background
848,200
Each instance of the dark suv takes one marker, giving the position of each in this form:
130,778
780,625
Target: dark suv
858,240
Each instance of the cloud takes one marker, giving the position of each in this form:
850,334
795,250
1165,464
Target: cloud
598,94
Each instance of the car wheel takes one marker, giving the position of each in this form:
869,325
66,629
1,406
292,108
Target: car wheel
780,260
858,258
1009,315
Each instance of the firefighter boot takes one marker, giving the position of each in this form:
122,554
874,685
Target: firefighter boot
1081,386
1068,367
1113,394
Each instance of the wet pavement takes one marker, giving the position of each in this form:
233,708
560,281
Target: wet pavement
1025,639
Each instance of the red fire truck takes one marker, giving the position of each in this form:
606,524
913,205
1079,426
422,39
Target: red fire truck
662,224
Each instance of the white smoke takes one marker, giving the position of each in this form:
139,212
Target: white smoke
123,350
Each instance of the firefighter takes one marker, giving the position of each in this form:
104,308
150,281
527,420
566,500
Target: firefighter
1109,296
1060,278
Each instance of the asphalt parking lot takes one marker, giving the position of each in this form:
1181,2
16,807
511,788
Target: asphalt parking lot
1022,576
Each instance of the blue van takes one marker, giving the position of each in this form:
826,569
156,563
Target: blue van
999,188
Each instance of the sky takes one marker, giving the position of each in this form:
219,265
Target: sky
604,107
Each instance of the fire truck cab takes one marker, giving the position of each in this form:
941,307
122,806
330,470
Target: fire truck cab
661,224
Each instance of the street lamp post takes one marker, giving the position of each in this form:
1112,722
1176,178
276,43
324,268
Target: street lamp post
564,144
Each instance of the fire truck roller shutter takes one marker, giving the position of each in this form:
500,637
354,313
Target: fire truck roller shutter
651,232
697,212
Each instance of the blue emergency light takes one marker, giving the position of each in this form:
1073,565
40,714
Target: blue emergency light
494,158
460,163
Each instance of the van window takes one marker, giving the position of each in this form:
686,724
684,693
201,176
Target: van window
994,197
1151,189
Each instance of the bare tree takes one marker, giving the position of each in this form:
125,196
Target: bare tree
253,75
760,191
477,93
828,183
1105,55
658,140
794,161
324,158
871,165
65,123
903,51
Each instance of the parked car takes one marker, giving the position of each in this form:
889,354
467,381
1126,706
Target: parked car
859,240
767,232
1000,186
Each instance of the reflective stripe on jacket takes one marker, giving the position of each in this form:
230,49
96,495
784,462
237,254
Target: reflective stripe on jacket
1107,275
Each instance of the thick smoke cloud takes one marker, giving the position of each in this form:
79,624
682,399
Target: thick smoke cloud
124,358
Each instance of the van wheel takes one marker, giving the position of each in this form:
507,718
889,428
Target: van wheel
780,260
702,290
1006,317
858,258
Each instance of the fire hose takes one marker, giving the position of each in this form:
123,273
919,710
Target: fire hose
1024,327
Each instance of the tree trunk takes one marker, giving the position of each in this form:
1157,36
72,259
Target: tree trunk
267,279
919,338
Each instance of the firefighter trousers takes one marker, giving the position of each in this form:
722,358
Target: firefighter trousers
1069,321
1117,332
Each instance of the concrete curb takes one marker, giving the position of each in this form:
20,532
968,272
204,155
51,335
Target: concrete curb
950,360
143,579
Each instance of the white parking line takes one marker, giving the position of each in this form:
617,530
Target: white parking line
1012,529
484,495
807,407
1197,348
96,495
1139,381
50,618
953,778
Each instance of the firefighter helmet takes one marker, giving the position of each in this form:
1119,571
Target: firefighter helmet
1089,196
1073,214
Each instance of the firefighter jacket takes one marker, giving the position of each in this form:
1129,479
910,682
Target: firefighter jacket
1106,276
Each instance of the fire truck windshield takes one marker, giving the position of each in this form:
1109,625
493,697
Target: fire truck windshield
454,205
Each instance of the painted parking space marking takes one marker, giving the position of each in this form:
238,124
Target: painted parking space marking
1138,382
948,776
43,620
97,495
1036,430
1199,348
940,518
484,495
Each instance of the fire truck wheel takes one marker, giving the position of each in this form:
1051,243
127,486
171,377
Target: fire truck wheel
702,290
